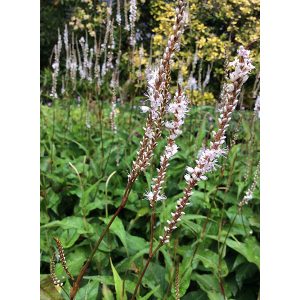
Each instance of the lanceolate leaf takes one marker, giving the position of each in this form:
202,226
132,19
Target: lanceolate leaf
117,228
121,294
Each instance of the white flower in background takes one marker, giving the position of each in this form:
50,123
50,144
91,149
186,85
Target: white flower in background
257,106
192,84
132,19
118,19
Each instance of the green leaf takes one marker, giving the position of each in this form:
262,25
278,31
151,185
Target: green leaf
195,295
76,259
117,228
53,200
147,296
243,272
121,294
249,249
44,217
155,276
135,243
215,296
47,290
69,237
210,285
143,211
210,261
126,263
85,199
206,282
107,293
104,279
89,291
78,223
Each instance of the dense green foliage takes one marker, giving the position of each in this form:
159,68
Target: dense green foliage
82,183
214,253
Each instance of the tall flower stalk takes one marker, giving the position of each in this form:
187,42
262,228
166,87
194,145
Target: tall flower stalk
132,19
127,27
158,94
179,109
207,159
159,97
118,15
55,66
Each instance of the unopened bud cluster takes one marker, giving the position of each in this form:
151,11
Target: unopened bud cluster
62,257
54,278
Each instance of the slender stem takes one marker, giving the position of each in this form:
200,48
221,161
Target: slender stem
152,227
173,270
144,270
220,258
231,224
100,115
83,270
53,133
177,281
201,236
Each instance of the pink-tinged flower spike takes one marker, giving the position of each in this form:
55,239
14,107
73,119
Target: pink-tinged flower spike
179,109
132,19
83,68
113,112
158,94
55,66
73,64
67,48
249,193
207,158
127,27
118,16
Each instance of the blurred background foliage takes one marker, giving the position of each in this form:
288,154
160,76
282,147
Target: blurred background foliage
214,31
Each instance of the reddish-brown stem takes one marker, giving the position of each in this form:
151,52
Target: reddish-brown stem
83,270
144,270
152,227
